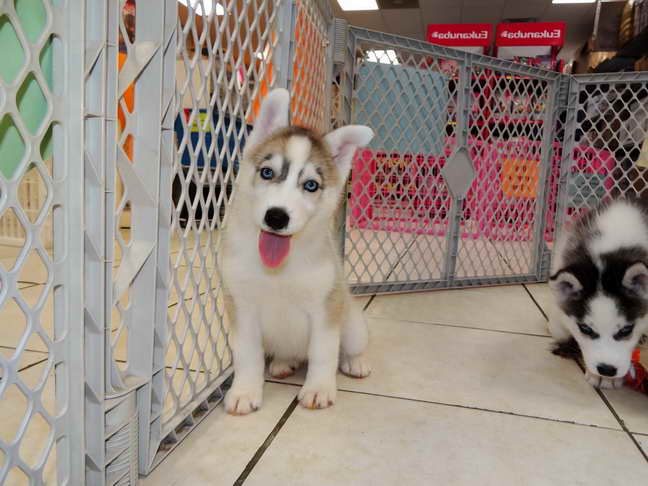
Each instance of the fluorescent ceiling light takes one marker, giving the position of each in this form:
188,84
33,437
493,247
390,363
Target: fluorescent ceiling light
207,4
354,5
383,57
573,1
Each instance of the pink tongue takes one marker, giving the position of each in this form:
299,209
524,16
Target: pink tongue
273,248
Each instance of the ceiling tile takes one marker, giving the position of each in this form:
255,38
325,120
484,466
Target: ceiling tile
368,20
480,14
572,14
493,4
405,22
523,9
442,15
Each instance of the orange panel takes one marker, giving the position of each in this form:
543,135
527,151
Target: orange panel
520,177
129,98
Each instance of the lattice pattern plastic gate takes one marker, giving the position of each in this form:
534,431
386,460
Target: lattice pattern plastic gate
451,191
217,96
250,48
605,141
41,394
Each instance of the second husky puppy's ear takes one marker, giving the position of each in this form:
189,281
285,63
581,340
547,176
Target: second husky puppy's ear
273,116
565,285
636,279
343,143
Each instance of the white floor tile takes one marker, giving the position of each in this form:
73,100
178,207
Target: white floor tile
481,258
14,406
220,447
25,359
631,405
361,300
32,270
8,252
366,440
643,442
496,371
542,294
13,324
186,281
423,260
632,408
495,308
372,255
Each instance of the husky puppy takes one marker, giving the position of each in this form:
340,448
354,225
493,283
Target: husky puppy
600,281
286,293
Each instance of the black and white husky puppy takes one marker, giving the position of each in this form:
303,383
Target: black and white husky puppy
599,277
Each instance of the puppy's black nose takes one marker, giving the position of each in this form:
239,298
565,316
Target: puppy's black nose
606,370
276,218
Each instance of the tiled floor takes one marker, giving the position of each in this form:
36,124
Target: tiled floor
463,391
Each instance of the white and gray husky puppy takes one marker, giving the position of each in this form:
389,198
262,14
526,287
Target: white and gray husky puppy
285,290
600,281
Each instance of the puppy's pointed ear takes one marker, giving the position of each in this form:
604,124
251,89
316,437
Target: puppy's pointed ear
273,116
565,285
343,143
636,279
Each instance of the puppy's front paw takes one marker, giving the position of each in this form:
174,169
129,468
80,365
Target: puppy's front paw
603,383
282,368
356,366
241,400
317,395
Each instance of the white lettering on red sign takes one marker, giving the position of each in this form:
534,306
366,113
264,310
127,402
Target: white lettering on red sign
482,34
543,34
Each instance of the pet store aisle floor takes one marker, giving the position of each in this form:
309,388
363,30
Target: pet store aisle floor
464,391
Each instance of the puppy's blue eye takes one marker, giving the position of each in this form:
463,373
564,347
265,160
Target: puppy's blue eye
588,331
267,173
311,186
624,332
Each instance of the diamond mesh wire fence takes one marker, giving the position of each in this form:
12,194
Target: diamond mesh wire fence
507,124
399,201
452,190
605,150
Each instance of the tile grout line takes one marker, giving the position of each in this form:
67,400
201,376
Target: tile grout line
536,302
266,443
601,395
524,285
33,364
465,407
458,326
614,413
29,284
2,346
622,424
366,306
